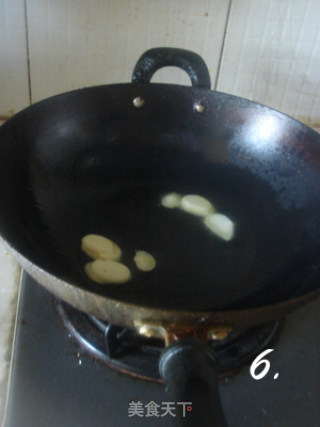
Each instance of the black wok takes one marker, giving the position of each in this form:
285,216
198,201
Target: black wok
98,160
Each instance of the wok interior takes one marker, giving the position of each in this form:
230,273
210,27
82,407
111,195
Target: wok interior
60,184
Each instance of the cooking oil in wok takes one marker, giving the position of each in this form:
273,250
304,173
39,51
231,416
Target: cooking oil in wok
106,269
195,268
170,226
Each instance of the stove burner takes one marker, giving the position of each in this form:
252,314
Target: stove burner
125,350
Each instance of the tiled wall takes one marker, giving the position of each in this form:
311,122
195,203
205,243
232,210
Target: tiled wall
265,50
13,58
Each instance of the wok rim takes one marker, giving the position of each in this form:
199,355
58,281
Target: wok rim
130,315
192,90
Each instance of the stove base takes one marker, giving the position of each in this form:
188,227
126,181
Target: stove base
54,382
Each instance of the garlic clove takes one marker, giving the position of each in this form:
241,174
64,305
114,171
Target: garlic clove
144,261
221,225
99,247
196,205
107,272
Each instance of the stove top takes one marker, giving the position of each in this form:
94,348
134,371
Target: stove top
128,352
55,382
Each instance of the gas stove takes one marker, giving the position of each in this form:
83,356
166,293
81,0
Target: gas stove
69,369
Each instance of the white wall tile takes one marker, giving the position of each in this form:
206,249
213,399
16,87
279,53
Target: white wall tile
82,43
14,93
272,55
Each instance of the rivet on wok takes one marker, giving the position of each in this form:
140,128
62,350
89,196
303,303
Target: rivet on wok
199,108
138,102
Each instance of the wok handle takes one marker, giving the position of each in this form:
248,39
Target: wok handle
159,57
190,370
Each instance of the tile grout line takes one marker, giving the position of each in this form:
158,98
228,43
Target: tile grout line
27,50
222,46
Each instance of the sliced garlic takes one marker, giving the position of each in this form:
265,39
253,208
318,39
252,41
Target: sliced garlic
144,261
196,205
91,274
221,225
107,271
171,200
99,247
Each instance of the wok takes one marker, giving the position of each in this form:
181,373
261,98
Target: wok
98,160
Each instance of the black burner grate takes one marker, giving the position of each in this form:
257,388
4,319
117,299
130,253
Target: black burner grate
127,351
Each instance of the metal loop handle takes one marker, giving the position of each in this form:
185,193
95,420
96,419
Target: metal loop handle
159,57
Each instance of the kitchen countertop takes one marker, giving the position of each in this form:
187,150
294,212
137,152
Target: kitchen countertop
9,287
